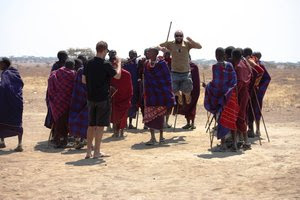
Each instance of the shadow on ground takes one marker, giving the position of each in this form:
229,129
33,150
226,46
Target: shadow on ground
44,146
7,152
215,154
86,162
176,140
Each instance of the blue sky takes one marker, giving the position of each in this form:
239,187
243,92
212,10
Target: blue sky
43,27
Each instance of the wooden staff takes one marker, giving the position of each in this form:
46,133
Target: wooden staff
177,106
137,118
261,116
207,114
212,134
169,31
254,119
208,118
208,128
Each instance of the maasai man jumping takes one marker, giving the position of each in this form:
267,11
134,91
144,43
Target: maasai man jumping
181,75
244,75
121,99
60,88
220,94
258,91
189,110
11,103
132,67
78,117
158,95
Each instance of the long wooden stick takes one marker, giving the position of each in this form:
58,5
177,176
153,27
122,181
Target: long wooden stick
262,117
209,124
137,118
212,134
169,31
177,106
207,115
254,119
208,118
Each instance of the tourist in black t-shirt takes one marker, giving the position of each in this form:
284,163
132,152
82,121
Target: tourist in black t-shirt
97,75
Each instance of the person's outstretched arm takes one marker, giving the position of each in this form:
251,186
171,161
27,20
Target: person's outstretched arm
194,44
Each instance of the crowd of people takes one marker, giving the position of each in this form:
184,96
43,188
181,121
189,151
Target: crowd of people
84,95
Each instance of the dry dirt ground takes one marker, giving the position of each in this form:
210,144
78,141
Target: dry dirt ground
184,168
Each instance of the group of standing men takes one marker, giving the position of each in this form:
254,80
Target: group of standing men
235,94
114,91
84,96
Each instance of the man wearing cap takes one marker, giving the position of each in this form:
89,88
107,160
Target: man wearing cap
11,101
180,73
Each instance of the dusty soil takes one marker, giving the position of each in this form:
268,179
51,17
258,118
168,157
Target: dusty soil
184,168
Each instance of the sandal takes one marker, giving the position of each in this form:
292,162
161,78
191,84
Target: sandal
19,148
100,155
151,142
2,145
162,141
187,126
219,149
246,147
131,127
79,146
250,133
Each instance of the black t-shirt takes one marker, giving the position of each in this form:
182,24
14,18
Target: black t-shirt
98,73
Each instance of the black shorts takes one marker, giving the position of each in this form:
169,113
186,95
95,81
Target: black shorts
99,113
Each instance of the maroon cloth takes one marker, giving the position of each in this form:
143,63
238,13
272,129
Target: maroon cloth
243,72
121,100
61,129
60,88
189,110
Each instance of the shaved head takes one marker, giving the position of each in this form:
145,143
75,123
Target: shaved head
178,32
178,36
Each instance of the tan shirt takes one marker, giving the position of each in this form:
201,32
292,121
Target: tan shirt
180,55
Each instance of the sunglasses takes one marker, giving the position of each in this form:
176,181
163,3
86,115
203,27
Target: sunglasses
178,35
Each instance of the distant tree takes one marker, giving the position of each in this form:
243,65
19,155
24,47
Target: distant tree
74,52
